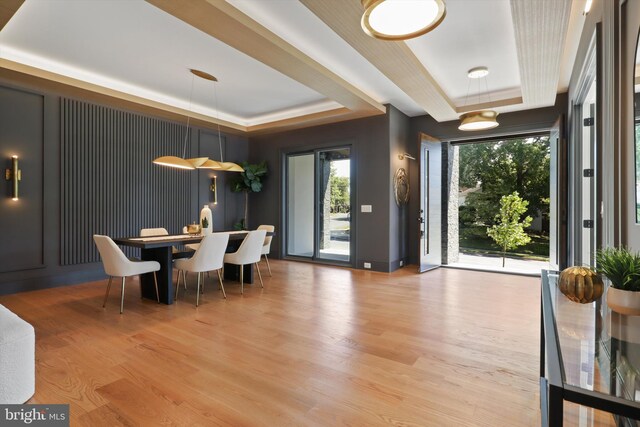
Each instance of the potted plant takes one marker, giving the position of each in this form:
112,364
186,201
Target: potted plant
622,268
249,181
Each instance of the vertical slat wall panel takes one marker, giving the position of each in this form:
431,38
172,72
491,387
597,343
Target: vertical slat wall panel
109,185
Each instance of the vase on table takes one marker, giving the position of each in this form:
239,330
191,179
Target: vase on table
206,220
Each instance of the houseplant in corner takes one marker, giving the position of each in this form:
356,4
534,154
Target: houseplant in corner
622,268
249,181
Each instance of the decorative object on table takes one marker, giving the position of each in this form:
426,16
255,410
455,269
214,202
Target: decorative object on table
199,162
580,284
395,20
206,220
193,229
478,119
249,181
622,268
401,187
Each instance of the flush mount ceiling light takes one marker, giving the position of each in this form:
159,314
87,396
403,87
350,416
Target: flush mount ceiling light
199,162
480,119
401,19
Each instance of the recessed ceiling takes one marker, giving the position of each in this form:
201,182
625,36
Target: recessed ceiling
135,47
286,61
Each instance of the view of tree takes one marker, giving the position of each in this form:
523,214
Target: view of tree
508,232
504,167
340,199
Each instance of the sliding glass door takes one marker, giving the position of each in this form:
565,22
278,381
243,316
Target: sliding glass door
318,205
300,206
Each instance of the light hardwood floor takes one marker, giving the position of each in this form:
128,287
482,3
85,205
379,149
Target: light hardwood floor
318,345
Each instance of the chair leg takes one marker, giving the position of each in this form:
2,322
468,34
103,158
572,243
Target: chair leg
268,266
198,291
221,285
122,296
155,282
242,279
104,304
177,285
259,275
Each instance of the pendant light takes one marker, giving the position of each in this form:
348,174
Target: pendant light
480,119
221,165
199,162
401,19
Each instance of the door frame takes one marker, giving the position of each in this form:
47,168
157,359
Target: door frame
431,217
284,220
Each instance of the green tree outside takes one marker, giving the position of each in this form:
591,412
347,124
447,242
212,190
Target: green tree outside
503,167
339,188
508,231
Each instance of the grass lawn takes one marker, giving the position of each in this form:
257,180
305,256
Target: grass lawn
474,240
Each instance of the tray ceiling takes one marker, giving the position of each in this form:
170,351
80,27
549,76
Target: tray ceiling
289,62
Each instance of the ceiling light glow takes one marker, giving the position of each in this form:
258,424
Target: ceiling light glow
401,19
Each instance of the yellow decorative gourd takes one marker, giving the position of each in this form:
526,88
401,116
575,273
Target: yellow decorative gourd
581,284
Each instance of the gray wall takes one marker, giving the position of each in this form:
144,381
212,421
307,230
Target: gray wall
399,143
369,140
31,127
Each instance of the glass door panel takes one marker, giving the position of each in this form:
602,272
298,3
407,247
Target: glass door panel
334,204
300,206
319,204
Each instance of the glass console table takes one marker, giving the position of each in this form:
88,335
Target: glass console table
589,355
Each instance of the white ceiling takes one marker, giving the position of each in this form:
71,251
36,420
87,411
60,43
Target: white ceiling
133,47
474,33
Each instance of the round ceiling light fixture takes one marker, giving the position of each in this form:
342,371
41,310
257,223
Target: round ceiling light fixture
478,120
401,19
478,72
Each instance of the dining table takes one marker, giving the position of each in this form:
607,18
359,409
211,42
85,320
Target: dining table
159,248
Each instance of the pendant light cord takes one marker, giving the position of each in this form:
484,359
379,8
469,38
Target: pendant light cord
466,98
186,135
215,96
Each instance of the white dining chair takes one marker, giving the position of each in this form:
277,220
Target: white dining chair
191,246
248,253
208,257
266,247
116,264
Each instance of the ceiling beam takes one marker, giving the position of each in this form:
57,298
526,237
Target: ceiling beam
308,120
394,59
540,29
224,22
8,8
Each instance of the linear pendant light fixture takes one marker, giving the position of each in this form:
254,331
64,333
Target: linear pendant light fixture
480,119
401,19
199,162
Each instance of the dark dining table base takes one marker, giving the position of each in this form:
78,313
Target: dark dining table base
165,275
166,288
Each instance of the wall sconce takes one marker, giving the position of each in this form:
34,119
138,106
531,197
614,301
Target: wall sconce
214,189
406,156
14,174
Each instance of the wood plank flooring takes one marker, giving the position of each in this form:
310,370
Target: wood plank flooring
318,345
